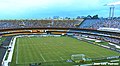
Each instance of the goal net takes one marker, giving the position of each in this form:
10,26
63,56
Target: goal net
78,57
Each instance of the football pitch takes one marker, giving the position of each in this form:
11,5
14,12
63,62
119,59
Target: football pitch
54,51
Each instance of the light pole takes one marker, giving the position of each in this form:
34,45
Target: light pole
111,11
112,8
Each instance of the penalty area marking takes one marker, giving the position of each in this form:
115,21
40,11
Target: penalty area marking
43,57
61,58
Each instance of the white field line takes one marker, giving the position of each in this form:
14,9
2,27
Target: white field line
17,52
57,55
40,53
43,57
61,58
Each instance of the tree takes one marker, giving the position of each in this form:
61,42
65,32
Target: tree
67,18
78,17
95,17
89,17
56,17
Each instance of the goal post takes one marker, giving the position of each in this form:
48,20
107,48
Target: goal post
78,57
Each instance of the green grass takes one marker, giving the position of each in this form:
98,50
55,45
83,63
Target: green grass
2,39
54,51
102,43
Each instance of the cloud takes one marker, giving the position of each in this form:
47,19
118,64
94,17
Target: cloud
18,7
114,3
34,8
44,4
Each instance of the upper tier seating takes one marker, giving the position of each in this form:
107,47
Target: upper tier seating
9,24
97,23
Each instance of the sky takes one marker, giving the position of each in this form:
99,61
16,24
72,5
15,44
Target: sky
35,9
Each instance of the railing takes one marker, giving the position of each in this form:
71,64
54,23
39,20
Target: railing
10,54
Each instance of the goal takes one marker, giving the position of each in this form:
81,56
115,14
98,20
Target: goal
78,57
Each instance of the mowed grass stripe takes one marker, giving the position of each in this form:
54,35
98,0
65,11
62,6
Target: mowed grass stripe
39,52
34,53
47,49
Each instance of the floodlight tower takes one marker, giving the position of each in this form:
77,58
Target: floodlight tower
111,11
112,8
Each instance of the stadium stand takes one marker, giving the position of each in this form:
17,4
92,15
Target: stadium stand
7,24
108,39
3,48
97,23
88,27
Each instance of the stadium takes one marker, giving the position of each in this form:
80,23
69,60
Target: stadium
60,42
